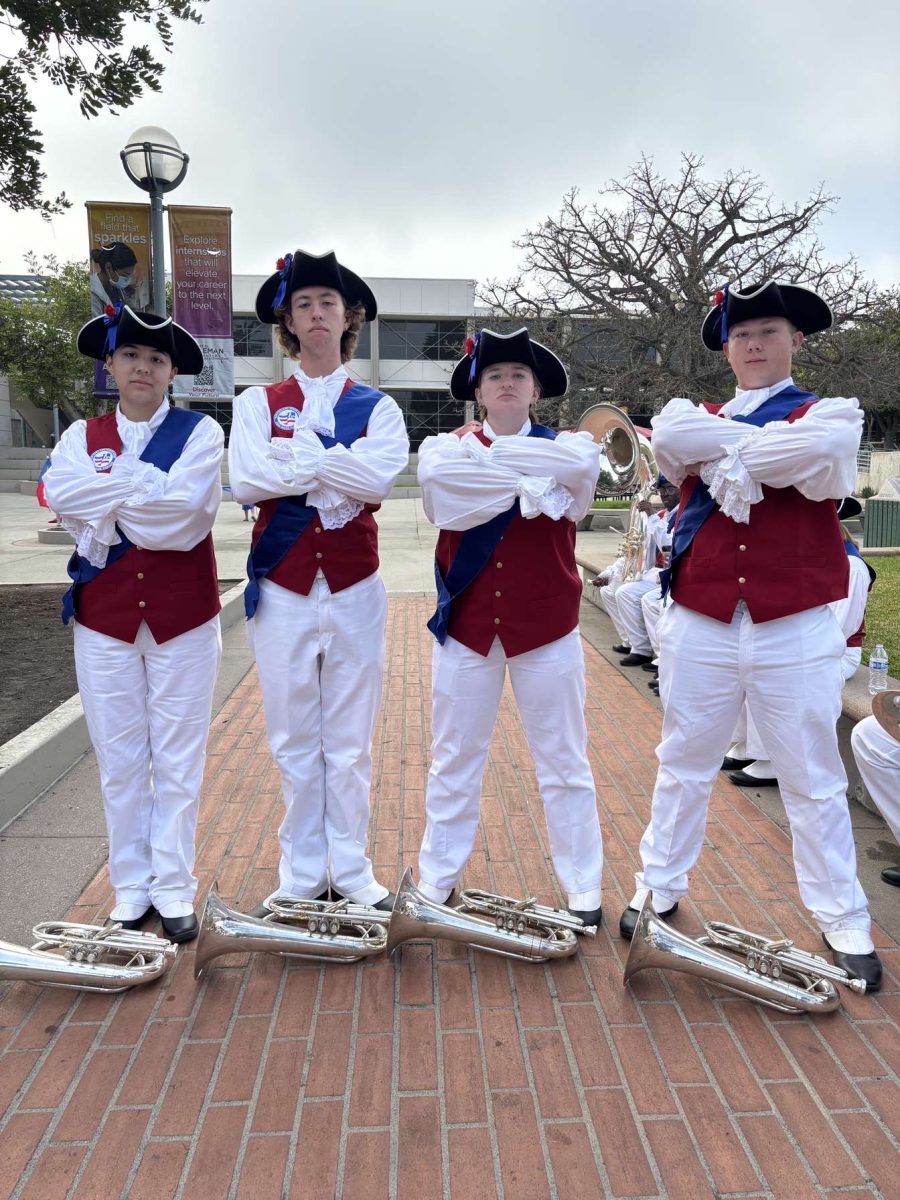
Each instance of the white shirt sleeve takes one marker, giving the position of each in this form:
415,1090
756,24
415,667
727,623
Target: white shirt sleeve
685,436
851,610
264,468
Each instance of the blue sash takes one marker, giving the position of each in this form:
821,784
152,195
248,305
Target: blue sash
700,503
472,555
291,514
163,451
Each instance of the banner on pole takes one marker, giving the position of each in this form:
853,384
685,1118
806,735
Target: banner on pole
201,289
119,255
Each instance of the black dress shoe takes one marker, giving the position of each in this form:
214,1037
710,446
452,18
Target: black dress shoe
620,649
735,764
891,875
742,779
628,920
635,660
262,910
180,929
858,966
135,922
385,904
590,916
653,685
650,666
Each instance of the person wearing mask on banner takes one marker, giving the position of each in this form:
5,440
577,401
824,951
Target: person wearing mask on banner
116,278
506,494
139,488
318,453
757,559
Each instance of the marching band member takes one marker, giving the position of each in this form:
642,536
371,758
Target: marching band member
757,560
630,593
877,755
139,488
506,494
318,453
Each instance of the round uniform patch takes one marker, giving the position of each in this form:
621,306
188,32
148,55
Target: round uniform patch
103,459
286,418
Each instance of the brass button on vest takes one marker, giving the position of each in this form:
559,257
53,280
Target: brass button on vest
141,604
140,575
741,579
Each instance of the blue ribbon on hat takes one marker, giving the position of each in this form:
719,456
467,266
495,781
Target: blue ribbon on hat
285,280
111,323
473,369
723,319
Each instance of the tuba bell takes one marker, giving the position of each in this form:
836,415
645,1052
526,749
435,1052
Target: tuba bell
333,932
93,958
626,457
416,917
657,944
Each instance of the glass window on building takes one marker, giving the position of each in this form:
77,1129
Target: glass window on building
427,412
364,344
219,410
430,339
252,339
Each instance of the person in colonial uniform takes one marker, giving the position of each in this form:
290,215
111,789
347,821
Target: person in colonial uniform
757,560
875,742
138,488
318,453
505,494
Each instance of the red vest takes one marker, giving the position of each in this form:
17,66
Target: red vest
174,591
346,555
789,558
529,593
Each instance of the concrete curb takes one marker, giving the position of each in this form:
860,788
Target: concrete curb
34,760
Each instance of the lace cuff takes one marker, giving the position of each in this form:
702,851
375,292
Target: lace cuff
334,508
541,495
92,542
296,459
148,483
730,484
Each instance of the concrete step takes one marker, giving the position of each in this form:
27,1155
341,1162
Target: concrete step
23,453
20,473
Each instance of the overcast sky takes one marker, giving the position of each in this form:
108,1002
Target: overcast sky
420,138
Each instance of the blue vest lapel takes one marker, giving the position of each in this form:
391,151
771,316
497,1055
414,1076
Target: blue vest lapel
472,555
291,514
700,503
163,451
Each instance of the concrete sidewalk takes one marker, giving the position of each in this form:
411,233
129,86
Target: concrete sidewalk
447,1072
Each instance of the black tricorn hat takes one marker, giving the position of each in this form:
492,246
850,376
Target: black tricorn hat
122,326
801,306
848,508
489,348
299,270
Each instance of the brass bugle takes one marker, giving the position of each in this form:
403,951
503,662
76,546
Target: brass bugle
224,930
518,915
93,958
657,944
416,917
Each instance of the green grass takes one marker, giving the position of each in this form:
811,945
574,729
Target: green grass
883,611
611,504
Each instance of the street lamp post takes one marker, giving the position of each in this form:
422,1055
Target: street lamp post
155,162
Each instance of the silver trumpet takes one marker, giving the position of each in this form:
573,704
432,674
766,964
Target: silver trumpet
657,944
94,958
774,956
315,929
518,915
416,917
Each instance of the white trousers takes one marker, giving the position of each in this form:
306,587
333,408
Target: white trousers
631,614
321,660
877,755
789,671
549,687
609,603
148,708
652,609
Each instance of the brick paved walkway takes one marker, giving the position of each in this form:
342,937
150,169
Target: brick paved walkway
448,1072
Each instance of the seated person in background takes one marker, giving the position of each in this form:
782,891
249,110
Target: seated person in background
755,770
630,593
612,578
652,608
877,754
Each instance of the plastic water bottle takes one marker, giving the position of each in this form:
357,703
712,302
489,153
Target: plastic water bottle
878,669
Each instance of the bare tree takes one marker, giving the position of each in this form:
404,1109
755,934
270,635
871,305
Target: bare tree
619,287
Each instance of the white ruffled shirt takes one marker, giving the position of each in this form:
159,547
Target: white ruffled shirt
156,510
816,455
465,483
339,480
